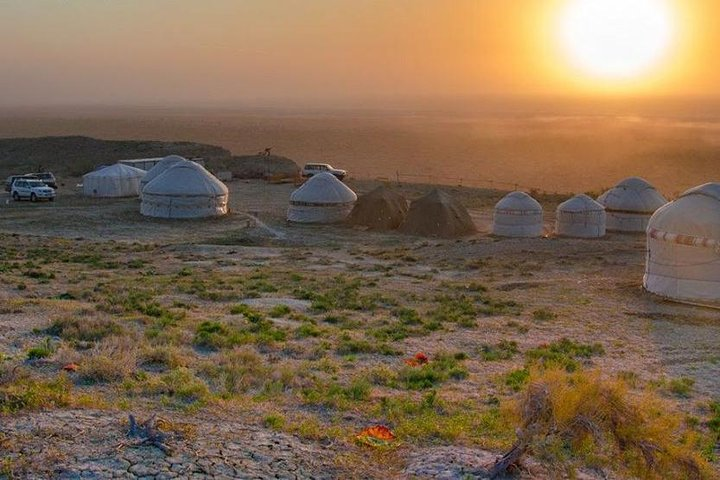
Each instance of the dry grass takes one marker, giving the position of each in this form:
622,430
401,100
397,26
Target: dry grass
112,360
582,419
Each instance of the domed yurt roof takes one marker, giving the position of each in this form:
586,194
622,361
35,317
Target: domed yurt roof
380,209
517,214
116,180
322,199
580,203
438,214
683,239
580,217
323,188
186,179
695,213
185,190
518,201
117,170
632,195
160,167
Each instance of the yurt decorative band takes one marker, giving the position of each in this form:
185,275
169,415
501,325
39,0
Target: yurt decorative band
319,204
684,239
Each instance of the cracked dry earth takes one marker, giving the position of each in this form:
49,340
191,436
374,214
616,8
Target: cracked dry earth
77,444
94,444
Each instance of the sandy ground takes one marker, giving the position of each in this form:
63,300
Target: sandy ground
593,287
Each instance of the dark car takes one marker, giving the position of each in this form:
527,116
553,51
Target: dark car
48,178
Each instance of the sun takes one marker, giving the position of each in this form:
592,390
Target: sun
616,39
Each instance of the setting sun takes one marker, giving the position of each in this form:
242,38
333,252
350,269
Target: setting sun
616,39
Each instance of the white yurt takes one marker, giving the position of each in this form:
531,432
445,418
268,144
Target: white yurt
580,217
185,190
630,204
322,199
683,247
518,215
160,167
114,181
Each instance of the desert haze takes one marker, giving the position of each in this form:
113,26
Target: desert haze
554,144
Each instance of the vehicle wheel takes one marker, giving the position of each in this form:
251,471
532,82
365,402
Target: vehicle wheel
33,197
15,196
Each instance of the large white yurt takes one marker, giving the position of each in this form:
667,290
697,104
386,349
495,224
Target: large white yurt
518,215
322,199
114,181
160,168
630,204
185,190
683,247
580,217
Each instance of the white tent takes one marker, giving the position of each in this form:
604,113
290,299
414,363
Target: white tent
518,215
160,168
580,217
322,199
185,190
683,254
630,204
114,181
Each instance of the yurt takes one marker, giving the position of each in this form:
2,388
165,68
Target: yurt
630,204
160,168
683,247
185,190
580,217
114,181
438,214
322,199
518,215
381,209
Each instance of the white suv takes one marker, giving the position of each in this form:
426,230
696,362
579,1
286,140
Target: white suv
31,189
311,169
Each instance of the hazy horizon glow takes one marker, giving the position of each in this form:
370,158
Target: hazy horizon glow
254,51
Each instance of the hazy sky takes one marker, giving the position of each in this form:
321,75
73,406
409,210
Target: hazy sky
178,51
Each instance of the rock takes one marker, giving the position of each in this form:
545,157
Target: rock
260,166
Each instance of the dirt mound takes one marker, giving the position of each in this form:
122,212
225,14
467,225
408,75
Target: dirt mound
438,214
261,166
381,209
75,156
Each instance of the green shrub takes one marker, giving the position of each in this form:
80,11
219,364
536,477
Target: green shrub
216,335
34,394
442,368
85,329
517,379
681,387
43,350
563,353
279,311
504,350
544,315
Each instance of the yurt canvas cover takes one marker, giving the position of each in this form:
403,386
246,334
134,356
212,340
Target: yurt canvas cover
381,209
683,247
630,204
185,190
580,217
322,199
114,181
160,167
438,214
518,215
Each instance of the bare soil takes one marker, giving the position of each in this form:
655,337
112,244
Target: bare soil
592,287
